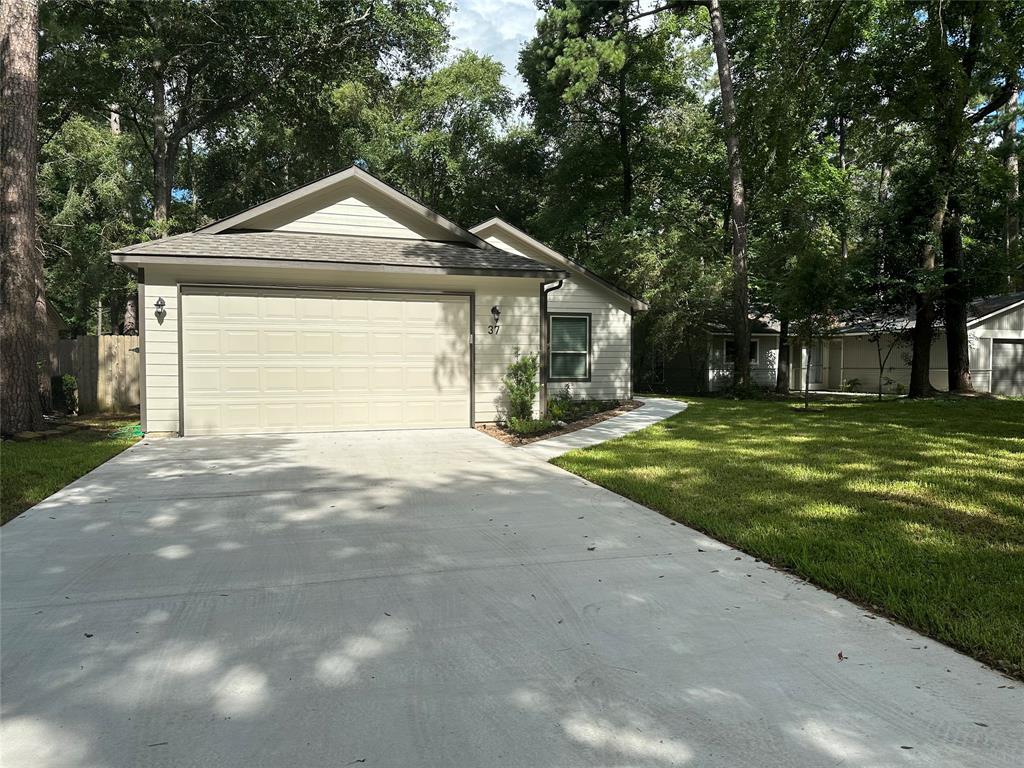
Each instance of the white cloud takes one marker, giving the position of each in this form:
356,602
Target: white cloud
496,28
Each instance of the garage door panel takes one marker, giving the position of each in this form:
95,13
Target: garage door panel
1008,367
354,344
316,343
314,361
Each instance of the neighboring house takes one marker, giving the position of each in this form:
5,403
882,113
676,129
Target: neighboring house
995,334
346,305
706,364
848,358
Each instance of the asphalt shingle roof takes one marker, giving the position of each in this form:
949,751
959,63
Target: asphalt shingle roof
339,249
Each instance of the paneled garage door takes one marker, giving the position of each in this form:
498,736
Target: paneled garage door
1008,367
308,361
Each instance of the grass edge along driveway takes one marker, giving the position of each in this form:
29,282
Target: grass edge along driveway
914,508
32,471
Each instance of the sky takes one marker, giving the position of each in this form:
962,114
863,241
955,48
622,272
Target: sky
496,28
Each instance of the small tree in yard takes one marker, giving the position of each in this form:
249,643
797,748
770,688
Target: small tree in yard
521,386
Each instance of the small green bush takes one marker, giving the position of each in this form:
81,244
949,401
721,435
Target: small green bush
65,393
562,406
521,387
527,427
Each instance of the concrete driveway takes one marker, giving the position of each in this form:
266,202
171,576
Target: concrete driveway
439,599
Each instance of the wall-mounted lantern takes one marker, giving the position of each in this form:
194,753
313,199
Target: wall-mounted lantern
492,329
160,311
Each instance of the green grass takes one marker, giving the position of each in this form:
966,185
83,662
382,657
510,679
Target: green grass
31,471
913,508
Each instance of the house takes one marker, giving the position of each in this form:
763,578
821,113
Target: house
346,305
847,359
995,334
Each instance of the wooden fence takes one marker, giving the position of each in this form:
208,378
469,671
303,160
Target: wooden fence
107,370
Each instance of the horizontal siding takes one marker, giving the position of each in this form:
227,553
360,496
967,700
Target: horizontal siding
161,344
518,300
610,330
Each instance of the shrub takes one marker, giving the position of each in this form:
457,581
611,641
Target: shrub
521,386
65,393
561,405
527,427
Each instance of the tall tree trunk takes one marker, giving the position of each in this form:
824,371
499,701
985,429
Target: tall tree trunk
844,235
782,374
738,202
21,270
130,318
1013,197
956,300
165,151
624,148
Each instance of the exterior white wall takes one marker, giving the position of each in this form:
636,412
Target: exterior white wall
518,299
350,208
762,373
611,327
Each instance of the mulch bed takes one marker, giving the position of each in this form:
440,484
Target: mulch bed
498,433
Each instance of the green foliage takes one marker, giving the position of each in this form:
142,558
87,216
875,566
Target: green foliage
564,406
90,202
521,386
527,427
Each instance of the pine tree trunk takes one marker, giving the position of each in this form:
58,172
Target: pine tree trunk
956,300
738,203
782,376
624,149
1013,196
21,271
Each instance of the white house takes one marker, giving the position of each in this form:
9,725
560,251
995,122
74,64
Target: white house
346,305
847,359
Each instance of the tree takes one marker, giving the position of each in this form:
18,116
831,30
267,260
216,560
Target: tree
173,71
737,199
22,299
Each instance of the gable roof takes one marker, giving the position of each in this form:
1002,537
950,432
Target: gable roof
324,186
576,269
978,311
351,251
981,310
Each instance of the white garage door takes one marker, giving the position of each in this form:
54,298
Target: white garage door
308,361
1008,367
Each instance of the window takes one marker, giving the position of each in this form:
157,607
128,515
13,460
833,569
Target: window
570,348
730,351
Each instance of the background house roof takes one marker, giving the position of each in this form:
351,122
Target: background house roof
340,249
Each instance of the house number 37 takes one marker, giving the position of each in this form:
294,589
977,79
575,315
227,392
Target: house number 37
493,329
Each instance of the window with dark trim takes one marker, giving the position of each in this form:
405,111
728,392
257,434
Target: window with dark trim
569,340
730,351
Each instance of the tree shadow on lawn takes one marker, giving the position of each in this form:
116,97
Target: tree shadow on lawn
911,508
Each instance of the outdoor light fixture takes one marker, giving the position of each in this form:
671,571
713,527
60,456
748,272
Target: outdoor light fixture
495,313
160,311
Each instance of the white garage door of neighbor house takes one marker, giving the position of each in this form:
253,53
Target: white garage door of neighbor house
1008,367
313,361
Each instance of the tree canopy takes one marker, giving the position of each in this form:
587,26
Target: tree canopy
879,141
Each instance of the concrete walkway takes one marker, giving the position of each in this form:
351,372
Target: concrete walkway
653,410
435,599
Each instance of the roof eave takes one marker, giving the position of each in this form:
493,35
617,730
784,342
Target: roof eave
130,260
495,221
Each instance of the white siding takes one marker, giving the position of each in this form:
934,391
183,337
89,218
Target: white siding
350,208
610,327
518,298
351,216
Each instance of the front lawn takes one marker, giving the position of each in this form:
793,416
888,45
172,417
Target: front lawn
913,508
31,471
